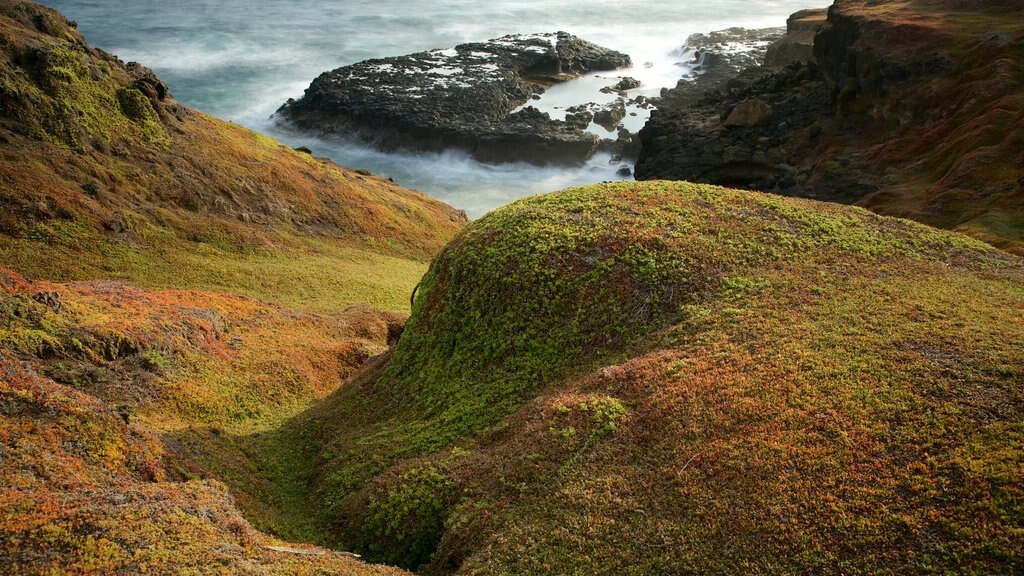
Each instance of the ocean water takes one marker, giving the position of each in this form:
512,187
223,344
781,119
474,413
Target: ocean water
241,59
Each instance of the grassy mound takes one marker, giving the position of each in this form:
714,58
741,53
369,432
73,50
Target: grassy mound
105,176
665,378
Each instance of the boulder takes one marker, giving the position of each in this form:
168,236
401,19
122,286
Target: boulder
626,83
749,113
610,116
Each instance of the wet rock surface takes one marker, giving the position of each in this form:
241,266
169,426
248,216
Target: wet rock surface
745,124
722,61
751,137
460,98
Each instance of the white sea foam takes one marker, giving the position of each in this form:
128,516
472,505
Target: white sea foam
445,71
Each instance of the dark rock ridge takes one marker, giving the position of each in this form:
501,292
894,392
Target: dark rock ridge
720,126
739,137
464,98
899,107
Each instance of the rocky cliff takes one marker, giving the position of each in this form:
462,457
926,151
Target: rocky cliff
908,108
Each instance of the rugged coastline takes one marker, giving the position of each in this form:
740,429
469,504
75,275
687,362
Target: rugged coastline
223,355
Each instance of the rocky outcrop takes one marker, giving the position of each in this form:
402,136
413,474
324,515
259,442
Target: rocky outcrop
463,98
904,110
622,86
740,138
798,43
741,130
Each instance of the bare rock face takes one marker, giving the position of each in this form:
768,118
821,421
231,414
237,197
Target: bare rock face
722,60
461,98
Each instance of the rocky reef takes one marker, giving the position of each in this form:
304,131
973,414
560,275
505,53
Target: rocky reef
911,109
464,98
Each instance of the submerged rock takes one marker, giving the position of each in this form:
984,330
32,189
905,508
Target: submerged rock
460,98
622,86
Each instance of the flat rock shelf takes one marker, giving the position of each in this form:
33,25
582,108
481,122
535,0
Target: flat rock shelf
463,98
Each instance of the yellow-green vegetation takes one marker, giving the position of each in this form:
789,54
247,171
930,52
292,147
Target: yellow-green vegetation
315,274
651,378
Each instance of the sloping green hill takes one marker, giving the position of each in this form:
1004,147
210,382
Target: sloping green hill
104,175
659,377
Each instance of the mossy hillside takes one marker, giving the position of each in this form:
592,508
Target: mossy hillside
106,176
56,90
782,312
311,274
206,383
529,292
544,284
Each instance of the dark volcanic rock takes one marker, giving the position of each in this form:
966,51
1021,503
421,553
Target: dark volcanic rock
610,116
459,98
745,125
623,85
694,143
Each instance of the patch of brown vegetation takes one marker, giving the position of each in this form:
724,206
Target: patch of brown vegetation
116,404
